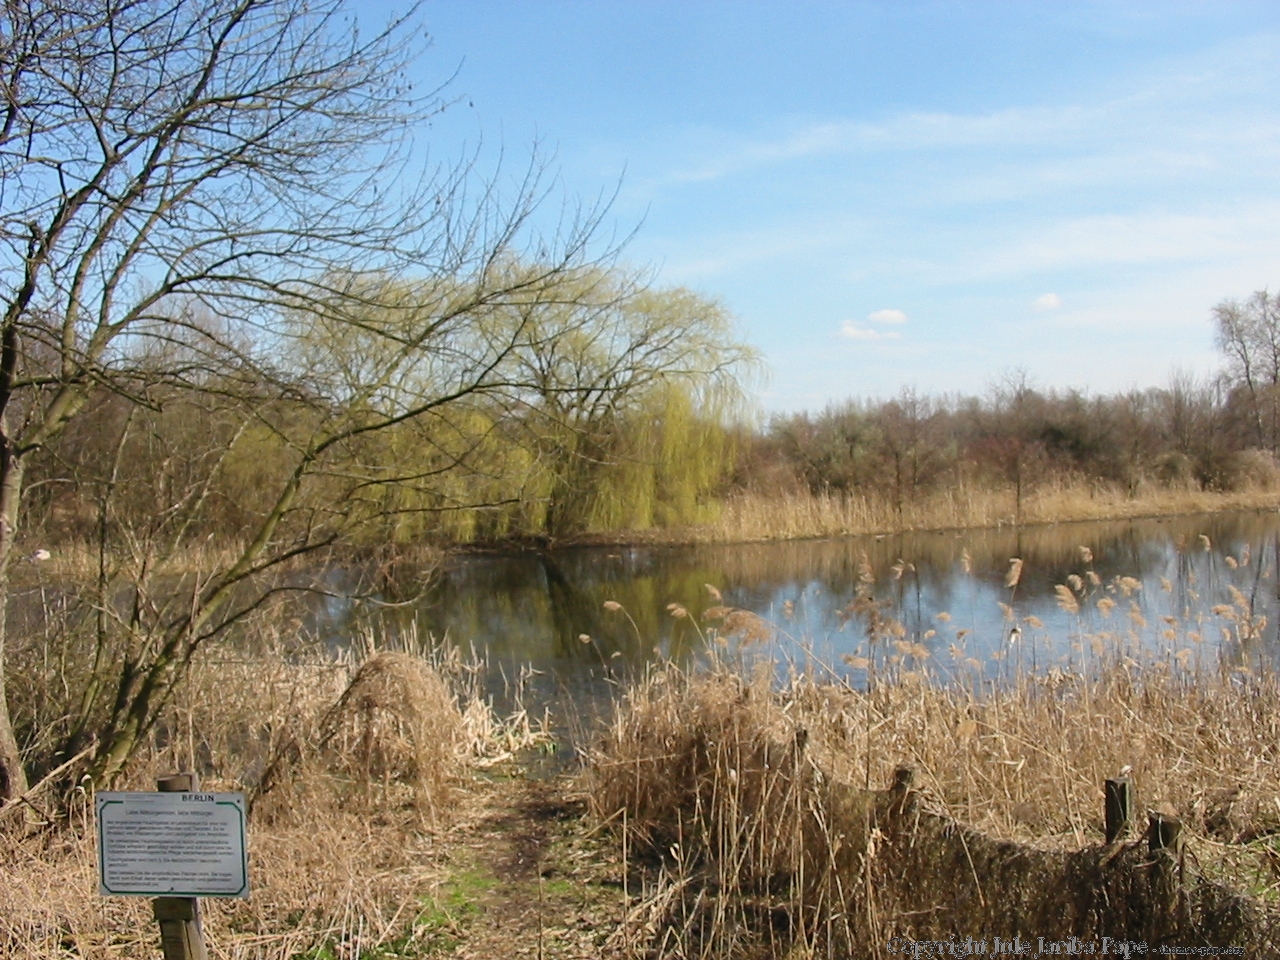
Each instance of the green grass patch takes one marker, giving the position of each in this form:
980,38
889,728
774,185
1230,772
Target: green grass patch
446,915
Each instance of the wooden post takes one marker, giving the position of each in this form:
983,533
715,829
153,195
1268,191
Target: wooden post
1162,831
901,798
903,778
181,936
1119,807
1164,919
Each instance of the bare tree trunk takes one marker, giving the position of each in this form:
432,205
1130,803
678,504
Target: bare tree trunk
13,779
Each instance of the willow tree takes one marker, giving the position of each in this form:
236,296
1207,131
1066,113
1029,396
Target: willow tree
607,409
177,177
625,393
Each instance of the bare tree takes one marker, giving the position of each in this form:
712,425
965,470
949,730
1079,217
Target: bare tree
909,451
190,190
1010,439
1191,420
1249,336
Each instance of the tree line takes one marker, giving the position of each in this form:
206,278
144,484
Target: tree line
1216,433
623,410
1193,434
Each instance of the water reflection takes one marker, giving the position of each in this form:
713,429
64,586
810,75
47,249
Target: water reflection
1146,586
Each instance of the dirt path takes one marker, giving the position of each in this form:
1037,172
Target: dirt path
524,879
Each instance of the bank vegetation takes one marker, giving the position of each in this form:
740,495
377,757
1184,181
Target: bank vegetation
741,808
625,417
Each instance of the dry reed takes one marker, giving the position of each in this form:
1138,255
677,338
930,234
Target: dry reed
756,803
787,516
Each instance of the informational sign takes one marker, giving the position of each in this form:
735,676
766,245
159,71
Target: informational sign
172,845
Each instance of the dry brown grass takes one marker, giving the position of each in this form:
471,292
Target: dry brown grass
352,771
754,803
792,515
787,516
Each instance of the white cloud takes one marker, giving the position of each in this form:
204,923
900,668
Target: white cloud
855,331
887,316
1047,301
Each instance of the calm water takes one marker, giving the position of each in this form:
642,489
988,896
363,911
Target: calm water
534,609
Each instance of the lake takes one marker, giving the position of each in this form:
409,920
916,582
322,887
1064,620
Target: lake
1194,591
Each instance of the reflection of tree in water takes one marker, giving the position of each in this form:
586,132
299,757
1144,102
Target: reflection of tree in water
574,611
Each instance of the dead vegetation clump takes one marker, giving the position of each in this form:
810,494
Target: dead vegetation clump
759,814
397,723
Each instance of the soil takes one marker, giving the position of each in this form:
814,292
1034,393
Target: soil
524,877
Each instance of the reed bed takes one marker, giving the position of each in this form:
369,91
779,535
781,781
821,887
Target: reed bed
754,809
794,515
354,768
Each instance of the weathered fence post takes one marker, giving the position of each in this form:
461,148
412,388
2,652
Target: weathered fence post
181,936
1119,807
1162,831
901,798
1163,841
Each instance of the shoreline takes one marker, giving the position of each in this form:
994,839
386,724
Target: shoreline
796,519
1153,508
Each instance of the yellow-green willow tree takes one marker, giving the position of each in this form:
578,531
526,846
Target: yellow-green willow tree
607,410
629,393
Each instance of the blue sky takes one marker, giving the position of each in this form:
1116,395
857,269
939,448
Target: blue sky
892,195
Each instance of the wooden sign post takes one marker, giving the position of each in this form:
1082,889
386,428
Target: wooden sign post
176,846
181,935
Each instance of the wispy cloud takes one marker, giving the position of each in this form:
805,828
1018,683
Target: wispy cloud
905,132
853,330
1046,301
887,316
1169,103
700,258
1148,238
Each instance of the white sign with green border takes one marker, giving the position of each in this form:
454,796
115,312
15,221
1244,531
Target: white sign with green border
172,845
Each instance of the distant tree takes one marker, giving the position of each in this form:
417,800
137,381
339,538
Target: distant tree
1014,434
910,446
1248,334
834,451
1135,440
